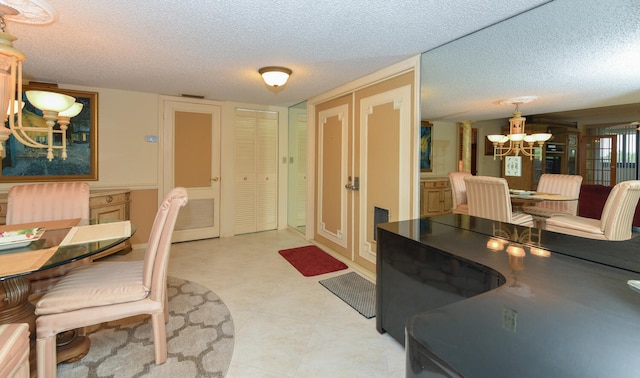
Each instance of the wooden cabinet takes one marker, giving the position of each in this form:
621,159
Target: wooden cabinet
559,155
103,205
435,197
110,205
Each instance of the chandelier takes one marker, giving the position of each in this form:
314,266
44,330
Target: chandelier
518,140
55,107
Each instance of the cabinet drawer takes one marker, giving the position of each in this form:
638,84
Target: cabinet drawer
108,200
435,184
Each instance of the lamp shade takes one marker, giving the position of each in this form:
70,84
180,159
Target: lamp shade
73,111
50,101
275,76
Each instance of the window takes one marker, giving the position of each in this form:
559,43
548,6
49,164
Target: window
628,141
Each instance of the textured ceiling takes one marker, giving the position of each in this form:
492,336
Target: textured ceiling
571,53
214,48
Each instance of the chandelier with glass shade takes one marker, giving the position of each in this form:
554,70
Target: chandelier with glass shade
518,141
56,108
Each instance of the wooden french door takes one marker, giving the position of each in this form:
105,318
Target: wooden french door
191,159
598,159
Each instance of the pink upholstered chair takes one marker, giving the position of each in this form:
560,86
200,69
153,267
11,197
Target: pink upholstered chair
488,197
566,185
14,350
47,202
616,220
459,192
105,291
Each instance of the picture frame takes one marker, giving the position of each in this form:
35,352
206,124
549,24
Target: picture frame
426,144
28,164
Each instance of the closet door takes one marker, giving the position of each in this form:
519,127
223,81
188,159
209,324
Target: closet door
256,171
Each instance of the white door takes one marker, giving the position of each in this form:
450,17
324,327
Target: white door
191,159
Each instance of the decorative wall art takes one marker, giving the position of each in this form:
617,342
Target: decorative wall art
426,144
23,164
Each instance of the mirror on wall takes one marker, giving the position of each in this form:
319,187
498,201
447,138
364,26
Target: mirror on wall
570,54
297,167
579,57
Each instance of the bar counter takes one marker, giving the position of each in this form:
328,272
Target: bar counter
554,305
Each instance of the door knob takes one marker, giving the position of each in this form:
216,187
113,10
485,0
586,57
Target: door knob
215,179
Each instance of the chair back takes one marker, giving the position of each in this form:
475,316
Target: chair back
566,185
488,197
617,215
157,253
48,202
458,188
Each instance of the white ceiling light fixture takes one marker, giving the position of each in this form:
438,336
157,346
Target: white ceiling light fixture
275,76
51,104
517,136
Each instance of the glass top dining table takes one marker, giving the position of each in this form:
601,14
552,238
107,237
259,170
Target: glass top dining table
65,254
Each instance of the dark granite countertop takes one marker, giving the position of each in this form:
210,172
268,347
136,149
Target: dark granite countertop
565,309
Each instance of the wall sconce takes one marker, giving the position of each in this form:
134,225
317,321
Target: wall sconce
50,103
275,76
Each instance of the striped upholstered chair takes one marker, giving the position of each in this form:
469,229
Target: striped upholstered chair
488,197
566,185
616,220
47,202
14,350
459,192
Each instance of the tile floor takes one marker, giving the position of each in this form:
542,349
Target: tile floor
286,325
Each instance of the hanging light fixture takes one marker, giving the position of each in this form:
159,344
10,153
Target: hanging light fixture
517,136
51,104
275,76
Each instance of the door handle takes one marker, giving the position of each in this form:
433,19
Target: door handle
349,186
215,179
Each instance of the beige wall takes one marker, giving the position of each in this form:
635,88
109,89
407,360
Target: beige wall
127,161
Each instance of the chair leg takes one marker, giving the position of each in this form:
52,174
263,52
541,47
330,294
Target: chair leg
159,338
166,307
46,357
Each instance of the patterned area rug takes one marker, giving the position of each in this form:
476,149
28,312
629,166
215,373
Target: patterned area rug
199,340
354,290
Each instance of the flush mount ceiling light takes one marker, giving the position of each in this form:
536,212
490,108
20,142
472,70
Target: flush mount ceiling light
275,76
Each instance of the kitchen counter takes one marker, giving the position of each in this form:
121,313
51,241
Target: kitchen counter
557,305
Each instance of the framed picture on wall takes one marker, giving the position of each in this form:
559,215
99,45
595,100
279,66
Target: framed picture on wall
426,143
23,163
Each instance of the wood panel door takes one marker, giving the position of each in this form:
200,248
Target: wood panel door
191,159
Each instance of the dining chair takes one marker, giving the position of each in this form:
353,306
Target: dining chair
615,222
14,350
105,291
459,192
565,185
47,202
488,197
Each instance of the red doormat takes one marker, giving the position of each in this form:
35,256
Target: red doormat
311,260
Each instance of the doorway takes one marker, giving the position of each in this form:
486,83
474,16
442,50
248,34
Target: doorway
297,164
